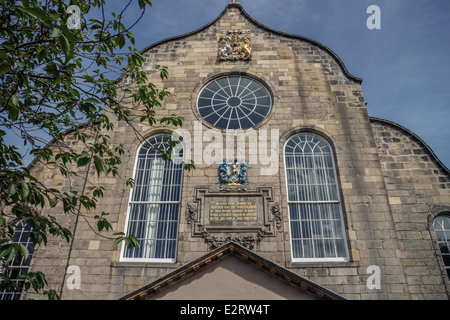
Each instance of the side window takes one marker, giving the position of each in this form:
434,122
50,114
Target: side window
18,266
442,228
315,211
154,206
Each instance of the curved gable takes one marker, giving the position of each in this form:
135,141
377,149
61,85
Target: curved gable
398,144
263,27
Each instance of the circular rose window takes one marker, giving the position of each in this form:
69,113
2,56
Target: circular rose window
234,102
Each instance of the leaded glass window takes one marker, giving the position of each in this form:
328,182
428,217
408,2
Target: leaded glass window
315,211
442,228
19,265
154,207
234,102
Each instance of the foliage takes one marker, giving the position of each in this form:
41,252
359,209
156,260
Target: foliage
55,81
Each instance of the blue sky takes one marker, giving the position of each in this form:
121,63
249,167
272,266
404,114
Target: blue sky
404,66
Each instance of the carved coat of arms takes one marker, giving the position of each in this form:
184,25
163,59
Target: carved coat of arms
235,45
233,175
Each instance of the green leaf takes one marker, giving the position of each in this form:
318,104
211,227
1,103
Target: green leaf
141,4
12,189
118,240
5,240
38,13
52,69
6,250
65,46
11,252
3,55
107,225
132,242
38,237
97,21
39,196
130,182
100,225
24,251
189,166
56,33
4,68
14,100
25,189
8,46
121,41
53,202
51,294
84,159
100,165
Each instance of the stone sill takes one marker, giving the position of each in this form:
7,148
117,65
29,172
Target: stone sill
323,264
121,264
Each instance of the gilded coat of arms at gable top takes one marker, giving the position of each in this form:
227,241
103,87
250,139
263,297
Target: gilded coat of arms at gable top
235,45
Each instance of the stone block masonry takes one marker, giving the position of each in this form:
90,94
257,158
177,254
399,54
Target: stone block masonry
390,183
415,181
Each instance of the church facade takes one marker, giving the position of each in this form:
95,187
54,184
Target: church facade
293,180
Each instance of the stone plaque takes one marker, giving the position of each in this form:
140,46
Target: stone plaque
233,211
242,217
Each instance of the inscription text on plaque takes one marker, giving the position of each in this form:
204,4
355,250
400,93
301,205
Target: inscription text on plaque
233,211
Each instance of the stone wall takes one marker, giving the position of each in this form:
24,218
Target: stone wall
419,189
312,91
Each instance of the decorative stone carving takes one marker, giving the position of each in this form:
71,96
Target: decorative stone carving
245,241
234,45
191,213
277,215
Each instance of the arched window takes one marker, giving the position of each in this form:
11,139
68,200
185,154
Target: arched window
315,211
442,228
154,206
19,266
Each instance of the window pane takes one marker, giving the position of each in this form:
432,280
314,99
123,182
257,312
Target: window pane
297,248
307,249
319,249
295,230
444,246
329,248
234,102
341,248
442,228
315,208
151,218
446,258
19,266
306,229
